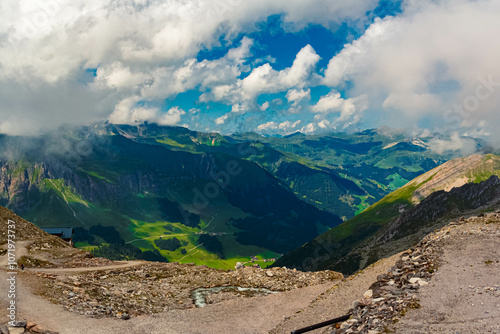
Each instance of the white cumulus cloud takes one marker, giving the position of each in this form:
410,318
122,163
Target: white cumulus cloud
127,113
265,79
436,62
465,146
138,48
285,127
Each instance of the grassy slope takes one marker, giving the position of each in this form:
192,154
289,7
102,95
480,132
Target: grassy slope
142,233
60,204
338,241
375,171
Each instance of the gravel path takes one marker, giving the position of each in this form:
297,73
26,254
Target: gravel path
336,301
248,316
20,251
464,294
118,265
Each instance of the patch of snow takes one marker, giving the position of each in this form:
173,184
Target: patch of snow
419,142
390,145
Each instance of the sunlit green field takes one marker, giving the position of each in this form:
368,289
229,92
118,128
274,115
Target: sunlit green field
146,233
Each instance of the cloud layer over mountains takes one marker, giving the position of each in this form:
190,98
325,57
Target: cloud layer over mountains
432,65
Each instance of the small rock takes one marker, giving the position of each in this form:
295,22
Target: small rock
16,330
344,325
19,324
365,301
423,283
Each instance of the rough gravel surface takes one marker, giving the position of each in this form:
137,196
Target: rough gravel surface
461,297
464,294
336,301
246,316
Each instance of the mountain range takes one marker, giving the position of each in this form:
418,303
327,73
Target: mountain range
218,199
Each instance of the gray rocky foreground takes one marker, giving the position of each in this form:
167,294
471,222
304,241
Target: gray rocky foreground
447,283
157,287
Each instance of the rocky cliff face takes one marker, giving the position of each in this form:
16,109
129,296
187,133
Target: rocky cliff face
432,213
20,182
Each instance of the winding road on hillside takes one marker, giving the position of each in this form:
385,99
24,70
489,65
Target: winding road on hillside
22,251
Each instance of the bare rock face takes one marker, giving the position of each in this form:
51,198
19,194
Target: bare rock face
403,217
441,204
431,213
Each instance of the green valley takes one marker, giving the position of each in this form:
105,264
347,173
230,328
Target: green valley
226,199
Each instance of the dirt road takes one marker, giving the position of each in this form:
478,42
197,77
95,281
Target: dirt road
246,316
118,265
336,301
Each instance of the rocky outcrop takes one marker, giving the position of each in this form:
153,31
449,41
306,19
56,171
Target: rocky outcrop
26,231
432,213
33,246
372,238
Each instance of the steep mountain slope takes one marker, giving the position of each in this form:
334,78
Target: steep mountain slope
402,217
377,161
339,173
125,192
321,186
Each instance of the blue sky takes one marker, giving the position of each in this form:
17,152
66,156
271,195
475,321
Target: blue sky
276,44
270,67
